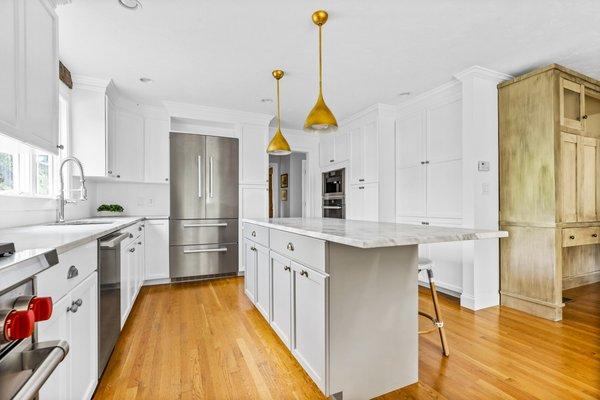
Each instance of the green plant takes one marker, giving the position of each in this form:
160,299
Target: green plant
111,207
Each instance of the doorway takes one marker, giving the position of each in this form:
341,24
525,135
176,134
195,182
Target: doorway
288,181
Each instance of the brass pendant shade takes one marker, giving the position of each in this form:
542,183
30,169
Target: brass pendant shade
278,146
320,119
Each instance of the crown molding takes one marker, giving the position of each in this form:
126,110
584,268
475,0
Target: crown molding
477,71
215,114
377,110
90,83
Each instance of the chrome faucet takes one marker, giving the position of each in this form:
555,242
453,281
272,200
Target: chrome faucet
61,196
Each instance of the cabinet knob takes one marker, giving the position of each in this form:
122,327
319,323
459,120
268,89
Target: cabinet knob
331,160
118,176
73,272
139,243
361,187
60,147
73,308
290,246
424,223
422,162
572,237
109,172
584,117
140,228
286,268
253,248
166,179
594,235
78,302
253,233
132,249
304,273
361,180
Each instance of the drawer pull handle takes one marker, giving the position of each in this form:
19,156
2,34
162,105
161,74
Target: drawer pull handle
254,233
594,235
572,237
304,273
220,250
73,308
73,272
286,268
253,248
290,246
78,302
132,249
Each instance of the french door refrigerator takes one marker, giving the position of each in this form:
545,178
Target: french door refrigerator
203,227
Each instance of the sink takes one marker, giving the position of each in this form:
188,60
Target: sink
85,222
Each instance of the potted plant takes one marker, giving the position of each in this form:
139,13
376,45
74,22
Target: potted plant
110,210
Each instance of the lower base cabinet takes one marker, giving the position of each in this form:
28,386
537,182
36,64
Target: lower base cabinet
281,297
74,319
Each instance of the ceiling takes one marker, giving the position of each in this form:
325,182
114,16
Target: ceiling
220,53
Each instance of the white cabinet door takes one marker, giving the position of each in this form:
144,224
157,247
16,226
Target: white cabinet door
111,137
10,35
370,198
57,328
354,203
326,150
129,147
263,281
370,152
83,343
357,136
41,75
156,150
250,273
156,249
411,171
340,146
309,305
139,266
281,297
128,263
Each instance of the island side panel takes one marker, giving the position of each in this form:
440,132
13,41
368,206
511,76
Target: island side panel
373,303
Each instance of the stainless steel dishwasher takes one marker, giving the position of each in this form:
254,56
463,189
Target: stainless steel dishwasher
109,296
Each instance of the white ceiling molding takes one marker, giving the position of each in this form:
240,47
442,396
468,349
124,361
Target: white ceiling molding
90,83
483,73
215,114
377,110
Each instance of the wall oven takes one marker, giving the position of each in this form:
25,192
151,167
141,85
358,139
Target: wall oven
334,208
333,184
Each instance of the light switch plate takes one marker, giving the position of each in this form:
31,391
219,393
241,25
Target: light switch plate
483,165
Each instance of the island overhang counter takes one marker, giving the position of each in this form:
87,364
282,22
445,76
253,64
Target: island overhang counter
342,296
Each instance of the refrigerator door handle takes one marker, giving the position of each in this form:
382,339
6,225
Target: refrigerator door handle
200,176
215,225
210,177
219,250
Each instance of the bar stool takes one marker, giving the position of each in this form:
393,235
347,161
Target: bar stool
425,264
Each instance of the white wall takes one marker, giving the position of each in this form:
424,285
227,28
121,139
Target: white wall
137,198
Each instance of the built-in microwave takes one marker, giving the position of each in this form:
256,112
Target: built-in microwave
333,183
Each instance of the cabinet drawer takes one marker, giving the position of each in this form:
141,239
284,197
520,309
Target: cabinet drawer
207,259
135,229
580,236
257,233
303,249
203,231
55,281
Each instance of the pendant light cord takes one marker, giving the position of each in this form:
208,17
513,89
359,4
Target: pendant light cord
278,111
320,61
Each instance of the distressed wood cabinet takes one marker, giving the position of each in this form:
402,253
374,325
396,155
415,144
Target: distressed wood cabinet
549,133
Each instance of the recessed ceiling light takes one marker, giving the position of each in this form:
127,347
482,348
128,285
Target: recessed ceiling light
403,94
131,4
146,80
266,100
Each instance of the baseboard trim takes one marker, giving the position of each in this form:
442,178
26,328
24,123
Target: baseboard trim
580,280
446,288
480,302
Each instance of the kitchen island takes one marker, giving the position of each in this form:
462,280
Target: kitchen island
342,296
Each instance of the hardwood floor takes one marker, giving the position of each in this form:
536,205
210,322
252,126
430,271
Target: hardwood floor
206,341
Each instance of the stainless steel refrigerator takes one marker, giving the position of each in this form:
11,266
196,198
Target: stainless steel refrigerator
204,206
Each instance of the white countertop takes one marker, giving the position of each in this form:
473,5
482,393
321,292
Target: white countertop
366,234
62,237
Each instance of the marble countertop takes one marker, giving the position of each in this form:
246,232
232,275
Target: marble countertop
366,234
62,237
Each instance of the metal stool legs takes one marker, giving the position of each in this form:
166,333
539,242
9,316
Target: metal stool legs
437,321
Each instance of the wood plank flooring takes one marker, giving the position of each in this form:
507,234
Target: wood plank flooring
206,341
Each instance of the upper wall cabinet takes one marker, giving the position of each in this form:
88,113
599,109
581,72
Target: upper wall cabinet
333,149
579,107
364,152
29,65
128,147
156,132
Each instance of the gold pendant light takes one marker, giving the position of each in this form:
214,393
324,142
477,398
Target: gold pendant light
320,119
278,145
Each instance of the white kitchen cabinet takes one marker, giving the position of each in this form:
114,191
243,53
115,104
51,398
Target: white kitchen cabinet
156,249
281,297
263,281
129,147
74,319
29,65
132,251
107,164
83,343
333,149
156,150
364,157
309,324
362,203
250,270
